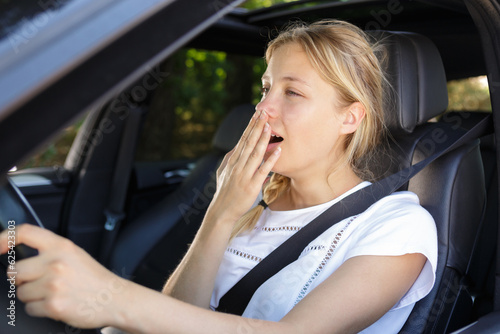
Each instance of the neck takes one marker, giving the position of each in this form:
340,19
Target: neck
310,191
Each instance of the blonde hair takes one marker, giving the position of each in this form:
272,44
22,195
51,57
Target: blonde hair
342,54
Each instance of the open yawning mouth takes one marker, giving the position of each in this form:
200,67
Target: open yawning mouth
275,139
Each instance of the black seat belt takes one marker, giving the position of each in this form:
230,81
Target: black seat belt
114,212
237,298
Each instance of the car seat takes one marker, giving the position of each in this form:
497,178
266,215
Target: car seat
482,267
150,247
452,188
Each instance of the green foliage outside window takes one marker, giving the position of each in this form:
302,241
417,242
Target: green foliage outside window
255,4
469,94
189,106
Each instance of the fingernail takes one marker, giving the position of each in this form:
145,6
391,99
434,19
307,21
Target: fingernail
256,114
277,151
266,127
263,114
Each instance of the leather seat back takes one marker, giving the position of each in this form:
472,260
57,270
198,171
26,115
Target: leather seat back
451,188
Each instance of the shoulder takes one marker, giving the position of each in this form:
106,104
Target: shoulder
396,224
398,212
398,205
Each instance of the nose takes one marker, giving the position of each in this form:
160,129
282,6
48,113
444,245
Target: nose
268,105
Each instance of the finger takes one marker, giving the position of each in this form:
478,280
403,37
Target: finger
249,139
38,309
257,155
263,171
46,303
223,164
32,291
239,146
30,235
30,269
7,237
253,138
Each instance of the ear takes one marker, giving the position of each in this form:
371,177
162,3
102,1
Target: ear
353,116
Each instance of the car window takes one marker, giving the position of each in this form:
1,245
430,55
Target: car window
470,94
54,153
189,105
200,89
186,109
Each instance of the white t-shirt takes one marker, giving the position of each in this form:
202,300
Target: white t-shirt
395,225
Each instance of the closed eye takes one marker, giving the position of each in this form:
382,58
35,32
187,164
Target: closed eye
292,93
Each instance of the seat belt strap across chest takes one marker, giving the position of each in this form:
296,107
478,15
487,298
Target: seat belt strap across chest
237,298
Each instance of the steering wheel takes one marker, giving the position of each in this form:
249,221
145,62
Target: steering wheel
15,210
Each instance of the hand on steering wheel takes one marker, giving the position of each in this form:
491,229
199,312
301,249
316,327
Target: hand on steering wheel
63,282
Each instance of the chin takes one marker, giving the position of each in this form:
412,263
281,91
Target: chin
277,168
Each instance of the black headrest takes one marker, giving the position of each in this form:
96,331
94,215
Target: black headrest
415,71
232,127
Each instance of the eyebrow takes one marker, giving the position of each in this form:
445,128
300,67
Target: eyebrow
288,78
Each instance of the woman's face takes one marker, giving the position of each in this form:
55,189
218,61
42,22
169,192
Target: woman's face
304,110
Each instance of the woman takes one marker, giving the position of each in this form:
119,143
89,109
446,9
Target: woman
316,127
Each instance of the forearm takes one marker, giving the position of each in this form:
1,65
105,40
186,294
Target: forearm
141,310
194,279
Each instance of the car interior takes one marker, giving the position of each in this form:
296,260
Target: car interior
139,217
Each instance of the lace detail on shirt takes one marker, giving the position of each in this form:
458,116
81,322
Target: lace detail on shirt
279,228
325,260
244,255
312,248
